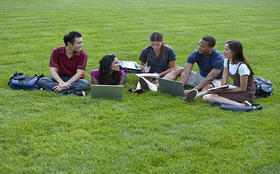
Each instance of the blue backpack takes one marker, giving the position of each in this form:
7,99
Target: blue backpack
21,82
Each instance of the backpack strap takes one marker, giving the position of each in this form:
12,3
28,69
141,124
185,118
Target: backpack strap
257,106
241,108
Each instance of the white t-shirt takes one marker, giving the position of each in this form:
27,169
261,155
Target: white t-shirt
242,71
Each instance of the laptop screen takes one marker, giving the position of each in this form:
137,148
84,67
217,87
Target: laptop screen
107,91
171,87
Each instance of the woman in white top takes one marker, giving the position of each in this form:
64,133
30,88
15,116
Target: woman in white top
240,71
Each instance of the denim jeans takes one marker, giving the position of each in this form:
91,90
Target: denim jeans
78,85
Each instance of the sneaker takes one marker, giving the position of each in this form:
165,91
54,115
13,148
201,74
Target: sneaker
79,93
143,84
191,95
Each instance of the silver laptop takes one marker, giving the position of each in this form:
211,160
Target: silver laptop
107,91
172,87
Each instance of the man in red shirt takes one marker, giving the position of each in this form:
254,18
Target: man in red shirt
67,66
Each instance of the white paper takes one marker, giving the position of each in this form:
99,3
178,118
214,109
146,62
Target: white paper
152,75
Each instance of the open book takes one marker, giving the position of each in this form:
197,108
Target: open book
152,75
224,87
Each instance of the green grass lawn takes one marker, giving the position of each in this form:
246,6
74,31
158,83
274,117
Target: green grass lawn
43,132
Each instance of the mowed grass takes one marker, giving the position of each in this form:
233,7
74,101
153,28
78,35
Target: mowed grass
43,132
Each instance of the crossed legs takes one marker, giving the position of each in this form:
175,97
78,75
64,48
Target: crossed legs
172,75
79,85
216,98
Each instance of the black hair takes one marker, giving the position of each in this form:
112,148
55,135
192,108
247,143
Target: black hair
237,53
157,36
104,71
70,37
210,40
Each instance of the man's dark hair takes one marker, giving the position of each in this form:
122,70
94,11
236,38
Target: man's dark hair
70,37
210,40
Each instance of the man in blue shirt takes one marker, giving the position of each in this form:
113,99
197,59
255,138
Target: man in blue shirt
210,62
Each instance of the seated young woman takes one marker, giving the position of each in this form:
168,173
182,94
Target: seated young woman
235,66
160,59
109,72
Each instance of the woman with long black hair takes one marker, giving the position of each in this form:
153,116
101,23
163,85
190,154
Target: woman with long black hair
109,72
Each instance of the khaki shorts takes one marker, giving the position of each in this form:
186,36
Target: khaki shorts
195,79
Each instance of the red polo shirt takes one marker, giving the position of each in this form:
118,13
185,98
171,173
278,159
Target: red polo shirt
68,66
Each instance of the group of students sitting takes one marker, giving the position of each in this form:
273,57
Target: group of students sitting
68,63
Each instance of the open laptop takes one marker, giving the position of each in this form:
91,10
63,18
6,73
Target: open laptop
107,91
172,87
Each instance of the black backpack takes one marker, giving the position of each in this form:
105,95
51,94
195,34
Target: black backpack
21,82
264,87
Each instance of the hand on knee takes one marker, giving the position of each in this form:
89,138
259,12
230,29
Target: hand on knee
178,70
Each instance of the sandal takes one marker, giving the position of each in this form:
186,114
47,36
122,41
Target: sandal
246,103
